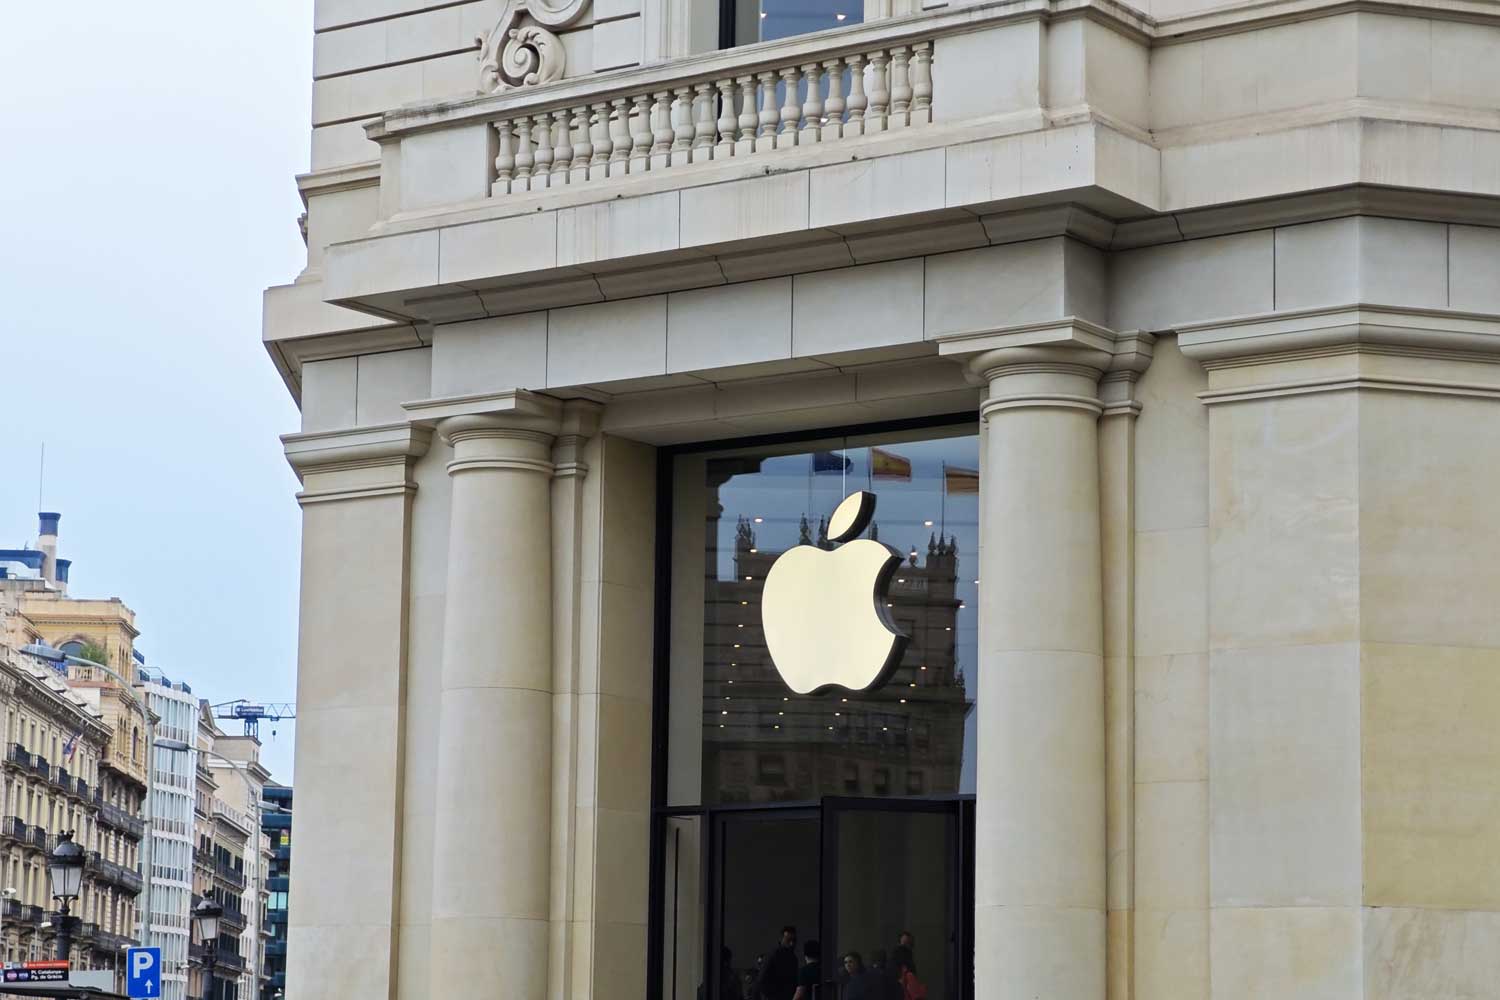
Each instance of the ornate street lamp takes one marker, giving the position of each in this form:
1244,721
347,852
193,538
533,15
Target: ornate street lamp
65,869
206,919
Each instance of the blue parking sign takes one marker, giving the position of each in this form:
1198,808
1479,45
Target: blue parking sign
143,972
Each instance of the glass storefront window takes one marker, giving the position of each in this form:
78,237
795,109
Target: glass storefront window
766,20
739,733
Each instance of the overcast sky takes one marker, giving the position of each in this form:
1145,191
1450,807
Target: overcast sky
146,199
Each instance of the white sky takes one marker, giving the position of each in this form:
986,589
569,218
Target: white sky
146,199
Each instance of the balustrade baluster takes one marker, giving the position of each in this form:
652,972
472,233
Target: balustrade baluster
880,94
745,144
769,117
901,90
661,131
505,159
703,122
640,136
833,108
921,83
791,109
812,106
727,120
524,157
599,129
541,174
682,127
562,153
858,102
619,137
584,148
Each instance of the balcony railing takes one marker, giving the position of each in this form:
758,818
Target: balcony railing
746,104
40,766
118,874
17,755
36,837
14,828
230,874
113,816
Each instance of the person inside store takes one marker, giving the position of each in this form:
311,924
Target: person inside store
904,966
810,976
862,983
778,977
729,983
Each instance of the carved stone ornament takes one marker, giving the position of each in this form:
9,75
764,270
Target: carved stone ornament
522,50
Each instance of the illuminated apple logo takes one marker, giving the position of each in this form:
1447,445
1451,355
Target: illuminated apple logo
824,612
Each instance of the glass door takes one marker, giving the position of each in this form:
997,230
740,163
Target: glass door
893,894
765,904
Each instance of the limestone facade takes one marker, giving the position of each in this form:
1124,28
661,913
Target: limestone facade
1219,287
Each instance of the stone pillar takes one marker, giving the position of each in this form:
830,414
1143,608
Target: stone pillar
1040,840
493,823
1118,394
351,679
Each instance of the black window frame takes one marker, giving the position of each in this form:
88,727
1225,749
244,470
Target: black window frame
661,810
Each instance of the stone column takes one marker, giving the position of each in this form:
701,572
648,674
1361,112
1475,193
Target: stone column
493,823
351,678
1040,841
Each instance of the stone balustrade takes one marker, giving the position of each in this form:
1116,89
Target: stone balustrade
736,111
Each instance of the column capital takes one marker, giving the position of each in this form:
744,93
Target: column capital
359,462
580,421
1058,363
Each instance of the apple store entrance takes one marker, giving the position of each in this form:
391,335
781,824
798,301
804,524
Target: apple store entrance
814,756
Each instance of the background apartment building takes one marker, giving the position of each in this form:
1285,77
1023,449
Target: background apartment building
276,822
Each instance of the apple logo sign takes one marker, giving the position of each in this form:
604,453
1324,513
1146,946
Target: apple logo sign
823,612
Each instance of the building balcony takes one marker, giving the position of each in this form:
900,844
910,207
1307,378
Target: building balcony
230,874
64,781
113,816
117,874
36,837
12,828
41,767
17,756
276,948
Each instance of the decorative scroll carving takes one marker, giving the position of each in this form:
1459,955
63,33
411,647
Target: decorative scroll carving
522,49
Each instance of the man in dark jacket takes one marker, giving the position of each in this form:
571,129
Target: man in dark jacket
778,979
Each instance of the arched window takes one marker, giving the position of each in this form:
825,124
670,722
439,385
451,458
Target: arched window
135,745
72,647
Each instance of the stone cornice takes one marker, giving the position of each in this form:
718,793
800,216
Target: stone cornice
1066,332
518,406
1309,332
361,447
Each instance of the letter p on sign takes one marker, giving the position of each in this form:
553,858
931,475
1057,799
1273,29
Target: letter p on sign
143,973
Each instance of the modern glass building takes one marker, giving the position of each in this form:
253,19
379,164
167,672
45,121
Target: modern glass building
168,900
276,824
997,488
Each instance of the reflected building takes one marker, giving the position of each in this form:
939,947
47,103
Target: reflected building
765,743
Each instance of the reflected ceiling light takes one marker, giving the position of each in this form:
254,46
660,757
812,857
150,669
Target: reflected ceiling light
749,578
760,520
900,579
724,712
754,551
742,624
912,685
840,16
924,666
903,701
926,524
744,602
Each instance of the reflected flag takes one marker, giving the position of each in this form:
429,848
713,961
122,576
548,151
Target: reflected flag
889,465
830,461
957,479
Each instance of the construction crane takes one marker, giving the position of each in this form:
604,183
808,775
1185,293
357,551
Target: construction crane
250,713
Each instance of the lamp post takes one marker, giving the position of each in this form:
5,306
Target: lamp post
65,869
206,919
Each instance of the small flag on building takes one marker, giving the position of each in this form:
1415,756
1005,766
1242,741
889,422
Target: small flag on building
889,465
957,479
830,461
71,745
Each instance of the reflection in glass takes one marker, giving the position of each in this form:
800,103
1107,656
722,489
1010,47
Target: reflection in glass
762,742
766,20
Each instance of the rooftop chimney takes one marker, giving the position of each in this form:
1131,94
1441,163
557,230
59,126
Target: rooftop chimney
47,542
62,574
